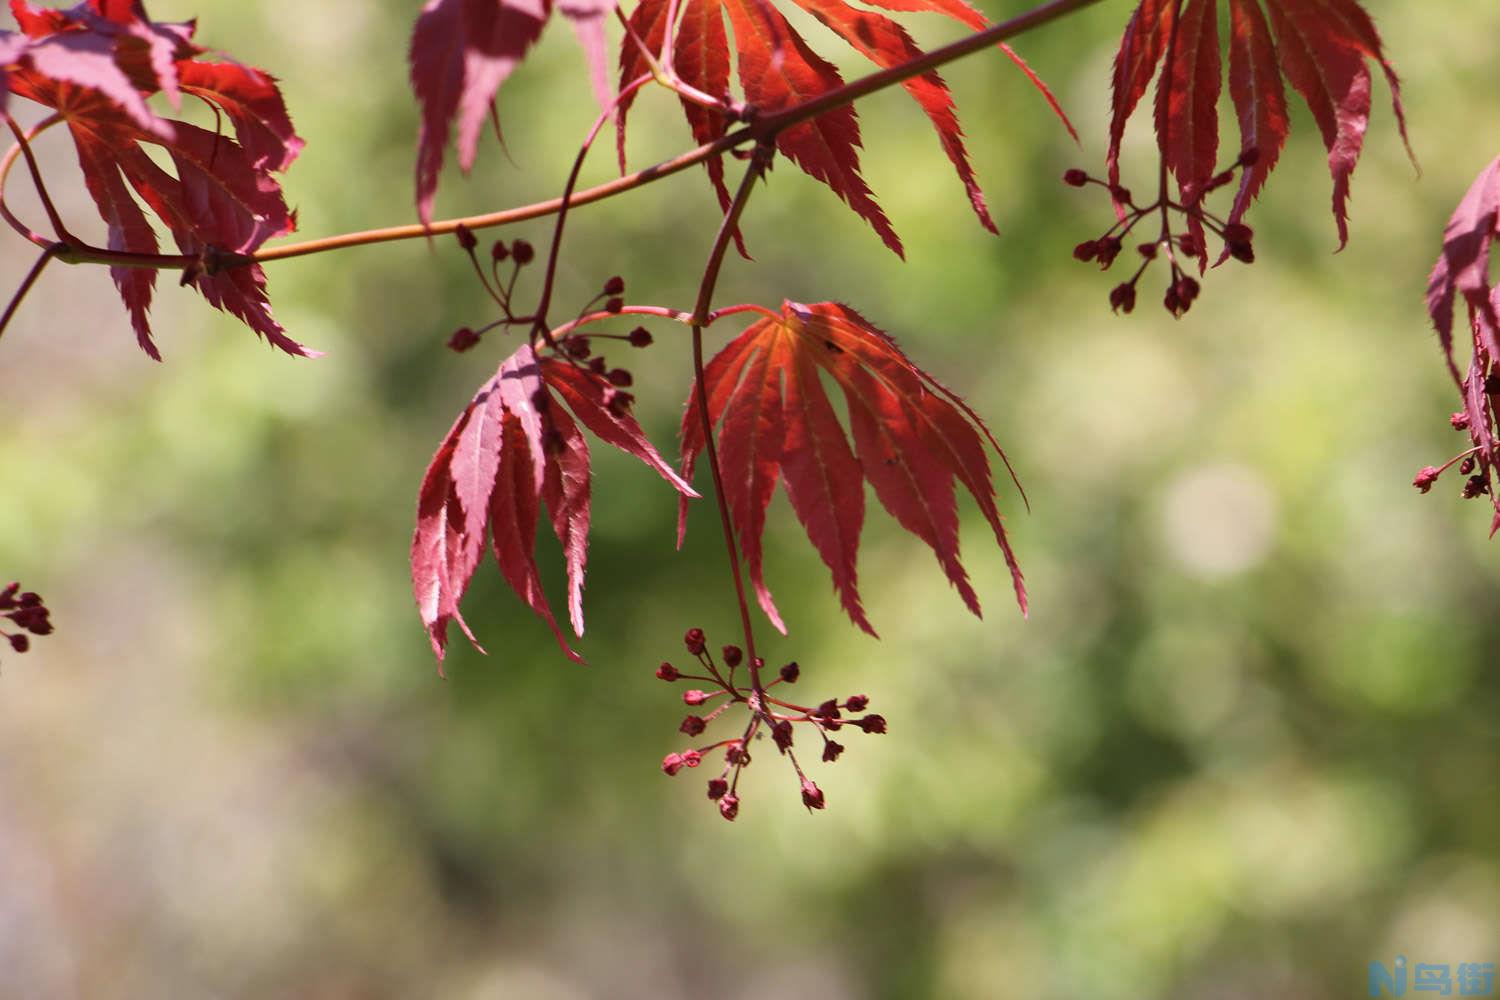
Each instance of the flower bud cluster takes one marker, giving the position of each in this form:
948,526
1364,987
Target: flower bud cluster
25,611
1179,248
519,253
767,712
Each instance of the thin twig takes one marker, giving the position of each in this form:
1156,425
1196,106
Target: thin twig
758,163
36,272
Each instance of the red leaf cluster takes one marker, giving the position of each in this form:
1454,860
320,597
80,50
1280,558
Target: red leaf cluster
911,438
462,51
1321,47
514,449
778,70
1463,270
96,64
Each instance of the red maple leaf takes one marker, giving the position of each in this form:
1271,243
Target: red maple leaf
514,449
1463,269
777,70
462,51
912,437
96,64
1322,47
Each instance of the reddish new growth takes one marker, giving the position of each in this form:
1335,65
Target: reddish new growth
26,612
767,712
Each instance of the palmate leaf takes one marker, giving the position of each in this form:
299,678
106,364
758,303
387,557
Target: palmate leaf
1463,271
912,438
1322,47
96,64
513,450
777,70
463,50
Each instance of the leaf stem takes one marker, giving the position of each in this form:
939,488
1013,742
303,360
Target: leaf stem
23,148
764,150
47,254
539,326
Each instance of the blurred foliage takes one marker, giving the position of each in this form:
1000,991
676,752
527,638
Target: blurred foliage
1244,746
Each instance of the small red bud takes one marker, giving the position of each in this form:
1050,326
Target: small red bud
692,725
717,788
463,338
19,642
733,655
619,377
1459,420
812,795
640,337
1474,486
1109,249
1086,251
729,807
1249,157
614,286
8,594
1466,466
781,734
499,251
1242,252
791,672
523,252
1121,194
1148,250
694,697
1075,177
614,305
1238,232
695,641
857,702
1189,244
1188,289
872,723
671,764
828,709
466,239
619,403
1426,478
577,347
1122,297
596,365
831,751
667,672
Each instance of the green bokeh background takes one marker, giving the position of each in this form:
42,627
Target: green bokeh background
1245,744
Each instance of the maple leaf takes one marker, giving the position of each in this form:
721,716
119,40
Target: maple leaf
514,449
777,70
1462,269
96,64
462,51
1321,47
911,438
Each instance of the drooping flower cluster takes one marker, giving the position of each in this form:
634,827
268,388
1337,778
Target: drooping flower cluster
25,611
767,712
1180,248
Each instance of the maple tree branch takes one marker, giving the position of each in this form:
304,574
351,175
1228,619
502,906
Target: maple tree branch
48,253
764,151
767,126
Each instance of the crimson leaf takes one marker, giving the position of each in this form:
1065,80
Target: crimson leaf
514,449
912,437
96,64
462,51
1321,47
777,70
1463,270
